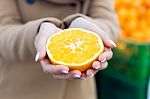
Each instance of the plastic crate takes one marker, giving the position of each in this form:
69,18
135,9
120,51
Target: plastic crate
113,88
127,74
131,62
148,93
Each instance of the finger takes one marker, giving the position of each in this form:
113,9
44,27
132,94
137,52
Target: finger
74,74
103,65
105,37
83,76
100,65
96,65
109,43
59,77
90,72
107,55
53,69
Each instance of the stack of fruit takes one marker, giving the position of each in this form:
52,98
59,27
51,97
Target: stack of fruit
134,16
129,70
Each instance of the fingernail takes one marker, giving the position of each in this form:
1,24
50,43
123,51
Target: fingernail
96,65
37,56
82,78
113,43
92,75
76,76
103,60
64,71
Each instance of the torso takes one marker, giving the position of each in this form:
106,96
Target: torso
46,8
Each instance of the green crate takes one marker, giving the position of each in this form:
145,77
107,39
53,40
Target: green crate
132,63
148,93
127,74
113,88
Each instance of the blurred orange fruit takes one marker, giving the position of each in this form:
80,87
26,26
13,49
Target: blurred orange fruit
76,48
134,16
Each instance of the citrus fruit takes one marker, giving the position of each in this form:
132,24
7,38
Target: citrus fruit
134,19
76,48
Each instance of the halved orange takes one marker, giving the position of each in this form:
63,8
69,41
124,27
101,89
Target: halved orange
76,48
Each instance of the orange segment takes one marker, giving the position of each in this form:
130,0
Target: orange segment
76,48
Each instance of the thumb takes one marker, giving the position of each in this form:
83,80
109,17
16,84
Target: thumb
46,30
105,38
40,44
107,41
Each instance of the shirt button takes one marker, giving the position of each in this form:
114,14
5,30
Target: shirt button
30,1
72,4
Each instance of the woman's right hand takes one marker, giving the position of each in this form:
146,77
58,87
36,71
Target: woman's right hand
58,72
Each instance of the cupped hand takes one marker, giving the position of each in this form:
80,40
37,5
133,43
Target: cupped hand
88,25
101,63
57,71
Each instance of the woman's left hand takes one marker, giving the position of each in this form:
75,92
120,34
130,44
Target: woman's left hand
101,63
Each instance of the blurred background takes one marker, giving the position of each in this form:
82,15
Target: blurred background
128,73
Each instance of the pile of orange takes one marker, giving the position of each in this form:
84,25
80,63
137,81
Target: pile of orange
134,16
76,48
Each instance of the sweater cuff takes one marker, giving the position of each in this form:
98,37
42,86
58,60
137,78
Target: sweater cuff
67,21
